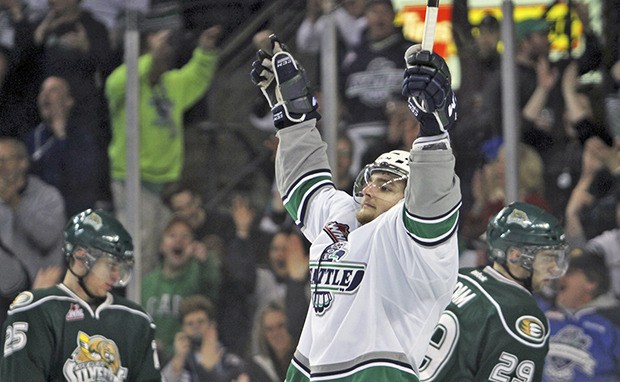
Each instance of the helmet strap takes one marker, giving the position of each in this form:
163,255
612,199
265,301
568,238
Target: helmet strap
526,281
95,300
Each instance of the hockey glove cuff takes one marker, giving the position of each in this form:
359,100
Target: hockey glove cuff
436,142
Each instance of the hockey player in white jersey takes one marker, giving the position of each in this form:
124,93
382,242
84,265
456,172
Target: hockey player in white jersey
383,263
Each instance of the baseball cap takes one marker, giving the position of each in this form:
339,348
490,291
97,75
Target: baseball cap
525,28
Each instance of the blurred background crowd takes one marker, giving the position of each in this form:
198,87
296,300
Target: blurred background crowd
219,253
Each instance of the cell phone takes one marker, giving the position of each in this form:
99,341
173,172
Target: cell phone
195,343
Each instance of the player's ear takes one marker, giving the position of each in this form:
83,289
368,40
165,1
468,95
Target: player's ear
78,256
513,255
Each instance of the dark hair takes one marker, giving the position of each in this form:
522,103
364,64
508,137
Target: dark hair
273,306
489,22
176,188
178,219
195,303
293,230
386,2
593,267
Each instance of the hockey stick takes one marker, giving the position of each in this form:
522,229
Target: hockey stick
428,37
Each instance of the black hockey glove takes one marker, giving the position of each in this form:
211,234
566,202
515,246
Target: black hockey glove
263,77
427,86
289,96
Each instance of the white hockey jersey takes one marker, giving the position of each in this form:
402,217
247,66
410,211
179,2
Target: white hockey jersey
379,289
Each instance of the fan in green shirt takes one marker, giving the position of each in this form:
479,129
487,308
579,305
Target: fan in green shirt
186,269
165,95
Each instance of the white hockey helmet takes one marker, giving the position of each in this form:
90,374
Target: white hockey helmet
395,162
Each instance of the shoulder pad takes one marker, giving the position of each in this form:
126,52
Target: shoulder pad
518,313
22,299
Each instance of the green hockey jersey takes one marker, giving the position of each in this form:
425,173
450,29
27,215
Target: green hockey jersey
492,330
53,335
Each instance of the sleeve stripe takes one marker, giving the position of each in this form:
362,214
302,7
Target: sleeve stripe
428,243
434,219
298,210
431,231
297,199
303,179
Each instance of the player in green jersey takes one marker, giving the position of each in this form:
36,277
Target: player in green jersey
78,331
493,330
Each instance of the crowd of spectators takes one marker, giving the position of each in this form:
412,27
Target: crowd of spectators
228,288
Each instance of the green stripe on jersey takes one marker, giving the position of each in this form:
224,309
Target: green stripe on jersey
370,374
431,229
293,202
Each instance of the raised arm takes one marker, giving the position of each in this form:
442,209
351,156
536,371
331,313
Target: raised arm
433,197
301,161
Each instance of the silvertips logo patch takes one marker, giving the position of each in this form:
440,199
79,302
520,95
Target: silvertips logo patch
96,358
531,328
